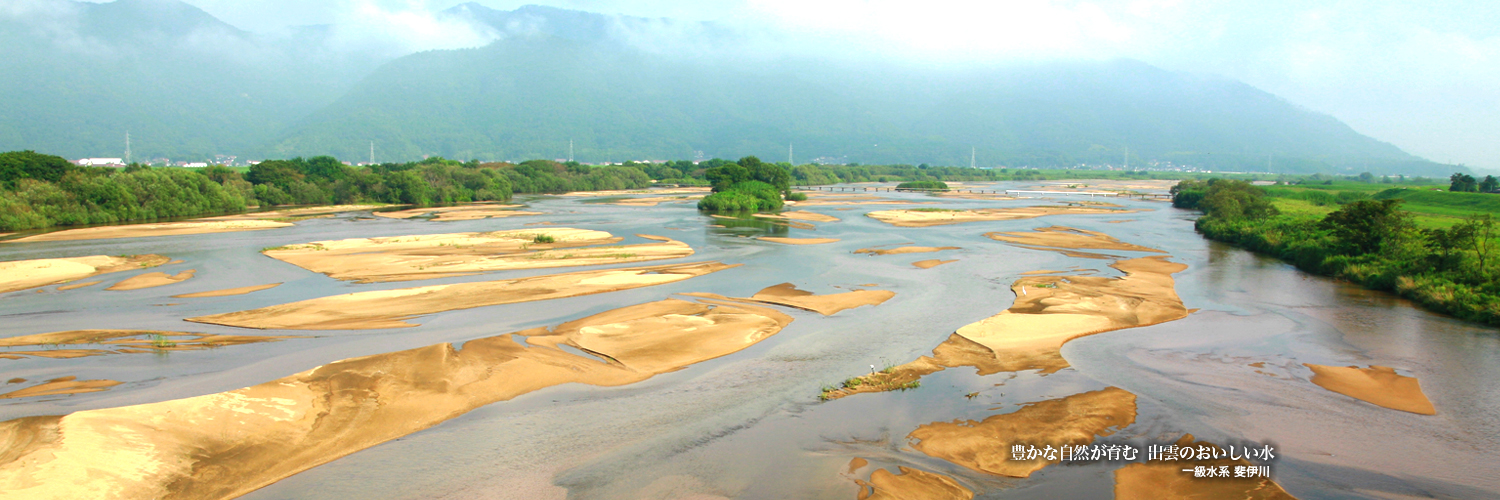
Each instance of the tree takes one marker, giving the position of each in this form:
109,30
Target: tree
1490,184
1479,234
1232,199
1367,225
728,175
1462,183
17,165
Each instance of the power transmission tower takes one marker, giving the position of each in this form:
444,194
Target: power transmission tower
127,147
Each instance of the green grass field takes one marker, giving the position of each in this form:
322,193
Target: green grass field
1429,208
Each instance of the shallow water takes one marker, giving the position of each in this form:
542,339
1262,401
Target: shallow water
749,425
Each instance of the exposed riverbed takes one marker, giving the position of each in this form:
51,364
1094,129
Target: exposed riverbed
746,421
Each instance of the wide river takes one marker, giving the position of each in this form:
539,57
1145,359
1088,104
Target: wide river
751,424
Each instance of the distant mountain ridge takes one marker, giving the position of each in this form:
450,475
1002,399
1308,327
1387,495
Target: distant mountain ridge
623,88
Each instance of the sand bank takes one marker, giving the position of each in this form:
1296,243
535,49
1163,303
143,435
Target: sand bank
406,258
815,198
1165,480
787,294
1377,385
797,241
391,308
931,263
151,280
985,446
911,484
903,250
621,192
60,386
297,213
83,343
460,212
649,201
74,286
1059,237
146,230
941,217
26,274
1116,185
227,292
227,444
800,215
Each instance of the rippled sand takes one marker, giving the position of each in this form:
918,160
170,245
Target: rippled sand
929,218
151,280
911,484
392,308
25,274
787,294
226,444
162,229
1059,237
407,258
1378,385
985,446
1165,480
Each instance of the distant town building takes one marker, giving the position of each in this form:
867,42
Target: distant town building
196,164
101,162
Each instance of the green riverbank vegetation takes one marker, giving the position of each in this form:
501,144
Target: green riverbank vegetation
1437,248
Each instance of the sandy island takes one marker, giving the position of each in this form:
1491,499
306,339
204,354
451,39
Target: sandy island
650,201
227,444
985,446
151,280
797,241
1377,385
931,263
903,250
787,294
25,274
227,292
940,217
297,213
1165,480
459,213
80,343
58,387
146,230
1059,238
800,215
825,199
407,258
910,484
391,308
1049,311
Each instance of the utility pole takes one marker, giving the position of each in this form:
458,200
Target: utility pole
570,150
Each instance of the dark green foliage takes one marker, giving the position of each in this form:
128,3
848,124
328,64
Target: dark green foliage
749,168
1374,243
796,197
17,165
923,184
1463,183
1490,184
1225,198
754,196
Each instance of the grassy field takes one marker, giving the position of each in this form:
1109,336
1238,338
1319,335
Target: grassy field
1429,207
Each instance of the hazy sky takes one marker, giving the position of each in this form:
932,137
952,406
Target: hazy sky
1424,75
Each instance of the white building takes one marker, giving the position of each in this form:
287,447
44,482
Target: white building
101,162
196,164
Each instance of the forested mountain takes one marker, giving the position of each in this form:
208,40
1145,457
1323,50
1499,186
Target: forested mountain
625,88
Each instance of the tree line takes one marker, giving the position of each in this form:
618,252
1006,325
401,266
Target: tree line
1372,242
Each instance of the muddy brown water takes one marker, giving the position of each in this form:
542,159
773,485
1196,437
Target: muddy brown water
750,425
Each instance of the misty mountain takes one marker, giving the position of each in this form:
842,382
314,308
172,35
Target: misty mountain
623,88
79,75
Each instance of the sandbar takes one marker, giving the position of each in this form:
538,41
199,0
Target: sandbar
60,386
931,263
297,213
75,286
985,446
649,201
911,484
122,342
459,213
618,192
1165,480
151,280
1058,237
800,215
787,294
227,292
902,250
1377,385
407,258
25,274
147,230
823,198
227,444
391,308
941,217
797,241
